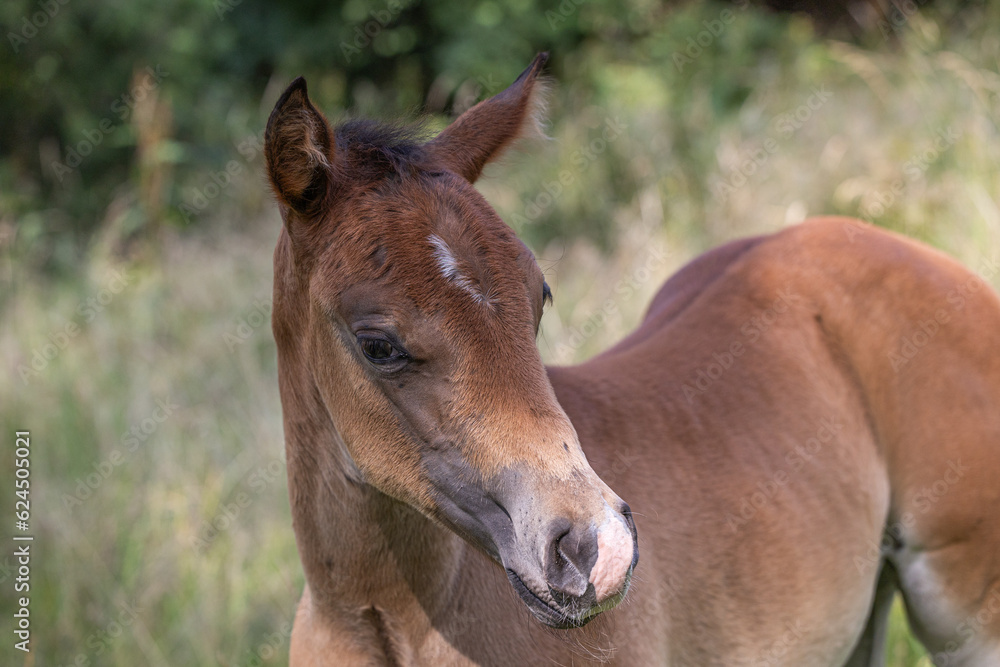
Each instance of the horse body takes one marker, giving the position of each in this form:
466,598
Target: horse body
825,447
803,423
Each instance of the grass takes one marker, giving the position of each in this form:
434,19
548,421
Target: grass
126,573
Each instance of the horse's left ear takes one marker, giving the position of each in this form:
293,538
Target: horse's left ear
298,147
484,131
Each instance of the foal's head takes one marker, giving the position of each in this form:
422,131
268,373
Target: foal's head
418,322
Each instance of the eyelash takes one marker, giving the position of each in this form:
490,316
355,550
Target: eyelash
380,351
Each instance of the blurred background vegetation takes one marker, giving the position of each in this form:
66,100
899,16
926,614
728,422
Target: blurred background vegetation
136,228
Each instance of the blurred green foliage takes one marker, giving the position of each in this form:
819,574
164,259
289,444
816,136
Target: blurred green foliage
68,64
71,65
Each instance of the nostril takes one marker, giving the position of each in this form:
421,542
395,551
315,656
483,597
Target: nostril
570,555
557,555
626,512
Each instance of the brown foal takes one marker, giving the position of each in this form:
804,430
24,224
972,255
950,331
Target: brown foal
811,421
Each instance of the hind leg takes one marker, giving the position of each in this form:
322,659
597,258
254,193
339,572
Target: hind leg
945,521
871,648
952,597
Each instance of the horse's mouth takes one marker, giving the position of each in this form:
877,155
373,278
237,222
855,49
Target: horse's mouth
574,614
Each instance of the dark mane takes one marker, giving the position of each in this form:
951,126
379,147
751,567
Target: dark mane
378,150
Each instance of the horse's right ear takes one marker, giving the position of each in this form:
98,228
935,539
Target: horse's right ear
298,147
485,130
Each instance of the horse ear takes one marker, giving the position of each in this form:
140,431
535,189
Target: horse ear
484,131
298,148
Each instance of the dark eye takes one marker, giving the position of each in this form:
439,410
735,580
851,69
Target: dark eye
380,351
546,293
